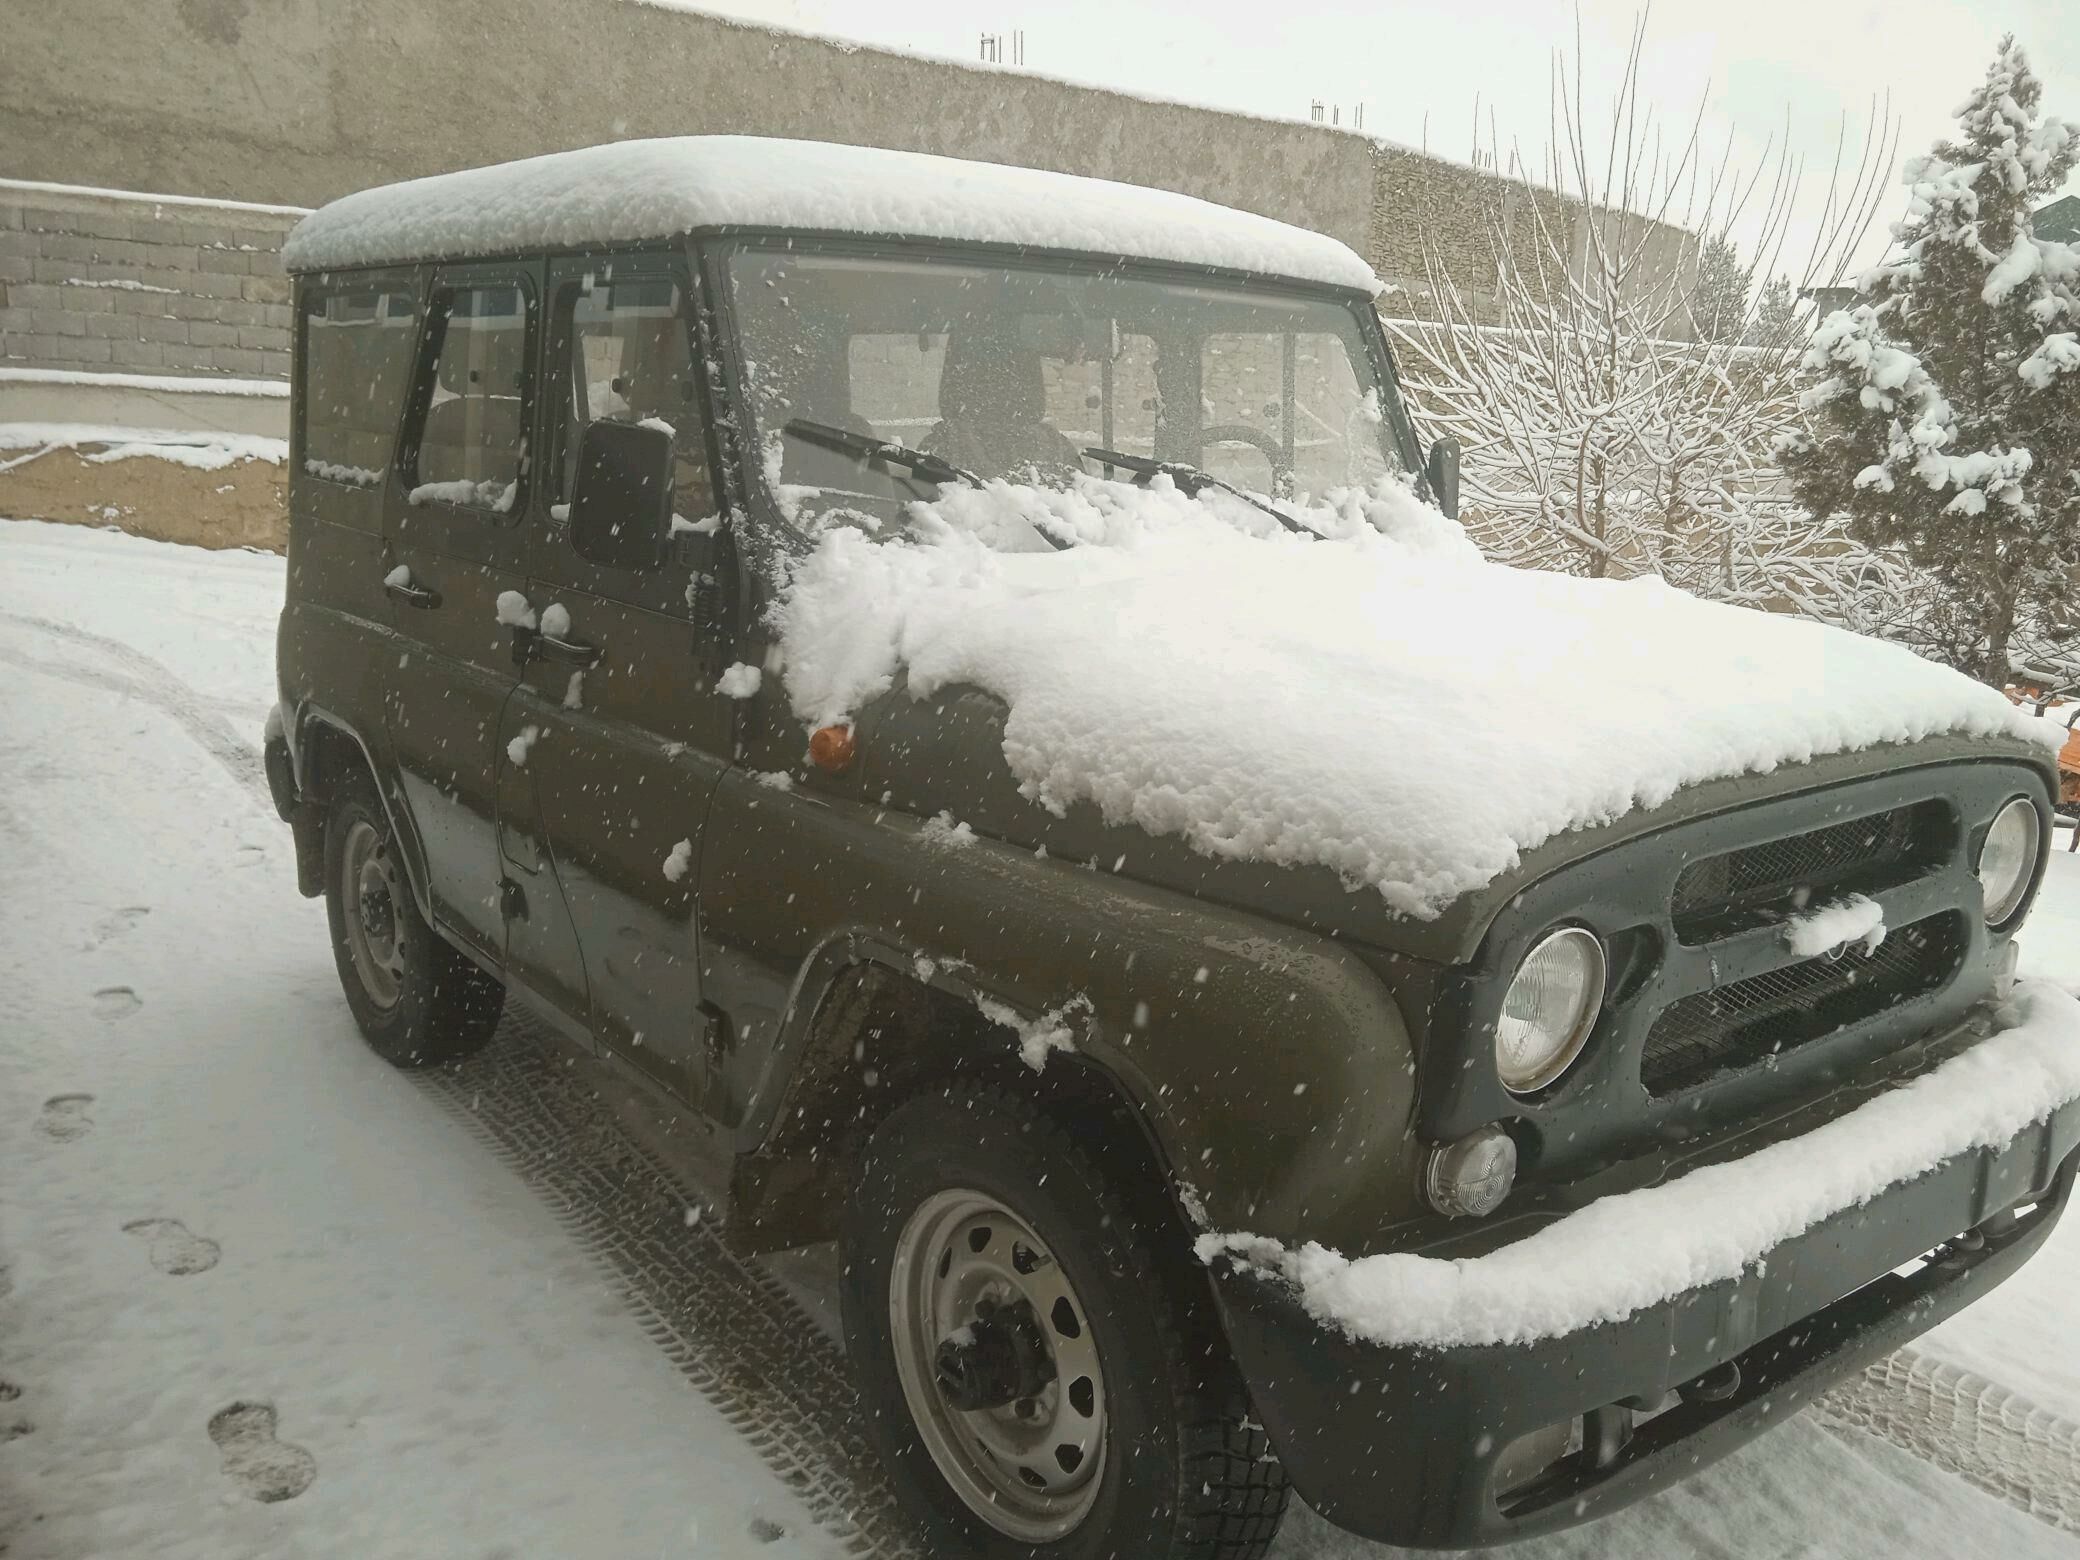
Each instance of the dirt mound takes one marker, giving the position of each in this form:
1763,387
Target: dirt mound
242,504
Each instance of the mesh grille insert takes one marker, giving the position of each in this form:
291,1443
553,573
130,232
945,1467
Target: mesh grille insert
1727,893
1747,1022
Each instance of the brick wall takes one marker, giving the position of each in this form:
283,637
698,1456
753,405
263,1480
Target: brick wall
130,284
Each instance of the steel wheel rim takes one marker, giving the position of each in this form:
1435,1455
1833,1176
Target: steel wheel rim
372,899
1032,1467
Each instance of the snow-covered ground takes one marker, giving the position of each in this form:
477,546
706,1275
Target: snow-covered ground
213,1196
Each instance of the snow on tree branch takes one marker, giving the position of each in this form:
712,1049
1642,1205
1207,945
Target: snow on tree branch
1620,389
1945,412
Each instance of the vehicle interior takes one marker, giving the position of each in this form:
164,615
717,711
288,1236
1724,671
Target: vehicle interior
1015,373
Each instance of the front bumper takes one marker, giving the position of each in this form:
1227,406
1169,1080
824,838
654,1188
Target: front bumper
1402,1444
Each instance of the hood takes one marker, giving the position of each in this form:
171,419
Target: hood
1376,704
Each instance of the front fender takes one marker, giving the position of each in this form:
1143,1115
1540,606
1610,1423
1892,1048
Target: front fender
1271,1066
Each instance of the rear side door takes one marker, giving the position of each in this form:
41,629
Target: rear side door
456,546
630,734
357,336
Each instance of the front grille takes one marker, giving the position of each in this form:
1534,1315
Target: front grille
1750,1021
1728,893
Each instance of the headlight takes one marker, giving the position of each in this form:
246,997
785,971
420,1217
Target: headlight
2008,858
1549,1009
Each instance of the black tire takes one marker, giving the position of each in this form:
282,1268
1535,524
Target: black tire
1186,1472
438,1006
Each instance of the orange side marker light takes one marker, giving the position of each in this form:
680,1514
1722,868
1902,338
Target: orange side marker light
833,748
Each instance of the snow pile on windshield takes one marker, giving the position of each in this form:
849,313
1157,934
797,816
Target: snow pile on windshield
1378,701
1625,1253
665,187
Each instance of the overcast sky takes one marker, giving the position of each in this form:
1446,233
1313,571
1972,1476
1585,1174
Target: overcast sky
1420,66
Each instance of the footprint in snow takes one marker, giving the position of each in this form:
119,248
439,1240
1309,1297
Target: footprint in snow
265,1468
65,1116
114,925
114,1002
175,1249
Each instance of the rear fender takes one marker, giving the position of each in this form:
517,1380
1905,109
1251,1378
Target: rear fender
325,747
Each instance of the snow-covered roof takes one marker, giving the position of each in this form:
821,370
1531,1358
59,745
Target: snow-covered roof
634,190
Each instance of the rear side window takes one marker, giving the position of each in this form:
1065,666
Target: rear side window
473,443
357,352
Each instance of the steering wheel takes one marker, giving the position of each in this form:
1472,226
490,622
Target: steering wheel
1243,433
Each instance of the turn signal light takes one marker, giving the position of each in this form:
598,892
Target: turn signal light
1470,1178
833,748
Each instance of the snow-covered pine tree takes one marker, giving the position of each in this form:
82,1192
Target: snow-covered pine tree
1945,414
1776,313
1719,302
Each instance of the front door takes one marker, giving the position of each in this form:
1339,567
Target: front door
629,732
457,548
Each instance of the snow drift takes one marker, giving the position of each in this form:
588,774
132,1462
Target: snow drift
1376,700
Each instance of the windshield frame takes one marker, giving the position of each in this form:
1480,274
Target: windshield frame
714,247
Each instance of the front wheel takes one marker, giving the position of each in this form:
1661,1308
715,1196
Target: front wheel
1039,1384
417,1000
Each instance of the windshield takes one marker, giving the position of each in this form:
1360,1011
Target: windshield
1014,373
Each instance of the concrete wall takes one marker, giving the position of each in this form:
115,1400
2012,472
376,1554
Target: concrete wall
298,101
111,283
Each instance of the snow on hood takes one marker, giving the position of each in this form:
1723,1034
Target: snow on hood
1380,702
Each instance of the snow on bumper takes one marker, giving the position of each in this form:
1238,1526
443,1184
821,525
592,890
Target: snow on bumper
1627,1253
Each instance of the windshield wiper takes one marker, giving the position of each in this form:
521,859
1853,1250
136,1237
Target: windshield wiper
870,449
1190,480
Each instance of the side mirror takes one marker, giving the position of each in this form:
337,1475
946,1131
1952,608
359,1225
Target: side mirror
621,506
1442,472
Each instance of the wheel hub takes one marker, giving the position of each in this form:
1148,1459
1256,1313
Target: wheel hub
997,1359
369,893
378,914
998,1366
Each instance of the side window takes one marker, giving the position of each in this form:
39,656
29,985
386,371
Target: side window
473,444
1333,426
357,354
630,359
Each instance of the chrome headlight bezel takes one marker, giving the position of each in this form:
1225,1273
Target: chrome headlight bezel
1566,1027
2021,846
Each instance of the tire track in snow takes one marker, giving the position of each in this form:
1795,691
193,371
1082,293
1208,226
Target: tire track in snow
728,1325
1970,1427
149,682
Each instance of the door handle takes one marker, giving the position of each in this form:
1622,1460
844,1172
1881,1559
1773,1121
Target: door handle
413,595
574,652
